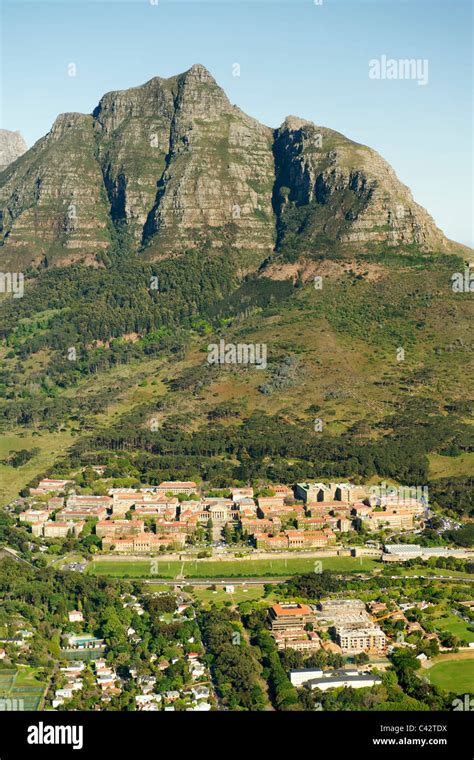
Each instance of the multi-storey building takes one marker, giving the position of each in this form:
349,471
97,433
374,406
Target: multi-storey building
267,541
311,493
401,520
98,512
309,538
58,529
291,626
34,516
171,527
78,501
301,641
304,523
284,510
123,501
241,493
252,525
295,539
290,617
344,525
119,527
49,485
361,639
142,543
264,502
176,487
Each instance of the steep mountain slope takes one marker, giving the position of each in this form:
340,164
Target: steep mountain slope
330,190
53,202
12,146
176,166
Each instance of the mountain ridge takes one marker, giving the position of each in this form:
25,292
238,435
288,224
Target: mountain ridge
179,166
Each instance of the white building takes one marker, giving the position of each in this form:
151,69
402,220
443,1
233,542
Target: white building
337,679
356,640
299,677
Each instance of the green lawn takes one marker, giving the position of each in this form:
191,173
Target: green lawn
12,479
161,568
455,675
252,593
456,626
139,569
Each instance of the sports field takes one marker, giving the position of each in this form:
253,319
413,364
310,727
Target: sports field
454,675
161,568
20,690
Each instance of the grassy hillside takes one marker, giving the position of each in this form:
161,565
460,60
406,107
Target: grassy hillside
379,352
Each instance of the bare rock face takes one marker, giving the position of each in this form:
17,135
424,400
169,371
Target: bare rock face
12,146
335,191
52,200
218,180
178,166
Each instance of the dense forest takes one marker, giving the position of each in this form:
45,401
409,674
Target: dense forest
263,444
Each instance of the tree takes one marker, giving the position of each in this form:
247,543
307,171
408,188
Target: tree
209,527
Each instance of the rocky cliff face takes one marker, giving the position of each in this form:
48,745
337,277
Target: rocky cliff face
182,165
52,202
179,166
12,146
330,190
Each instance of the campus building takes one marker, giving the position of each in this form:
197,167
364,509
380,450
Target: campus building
176,487
285,617
355,640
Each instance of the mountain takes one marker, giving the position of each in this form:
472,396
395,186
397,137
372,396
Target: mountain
12,146
177,166
168,221
331,190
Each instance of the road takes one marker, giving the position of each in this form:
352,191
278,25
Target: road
258,581
213,581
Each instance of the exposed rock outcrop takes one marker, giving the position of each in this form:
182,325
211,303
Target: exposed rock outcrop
331,190
179,166
12,146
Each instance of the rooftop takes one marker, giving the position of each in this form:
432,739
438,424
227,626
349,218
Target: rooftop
291,609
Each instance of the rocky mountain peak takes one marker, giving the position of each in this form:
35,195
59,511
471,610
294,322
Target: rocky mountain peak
180,166
12,146
294,123
200,73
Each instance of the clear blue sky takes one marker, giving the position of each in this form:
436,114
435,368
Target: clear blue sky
296,57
